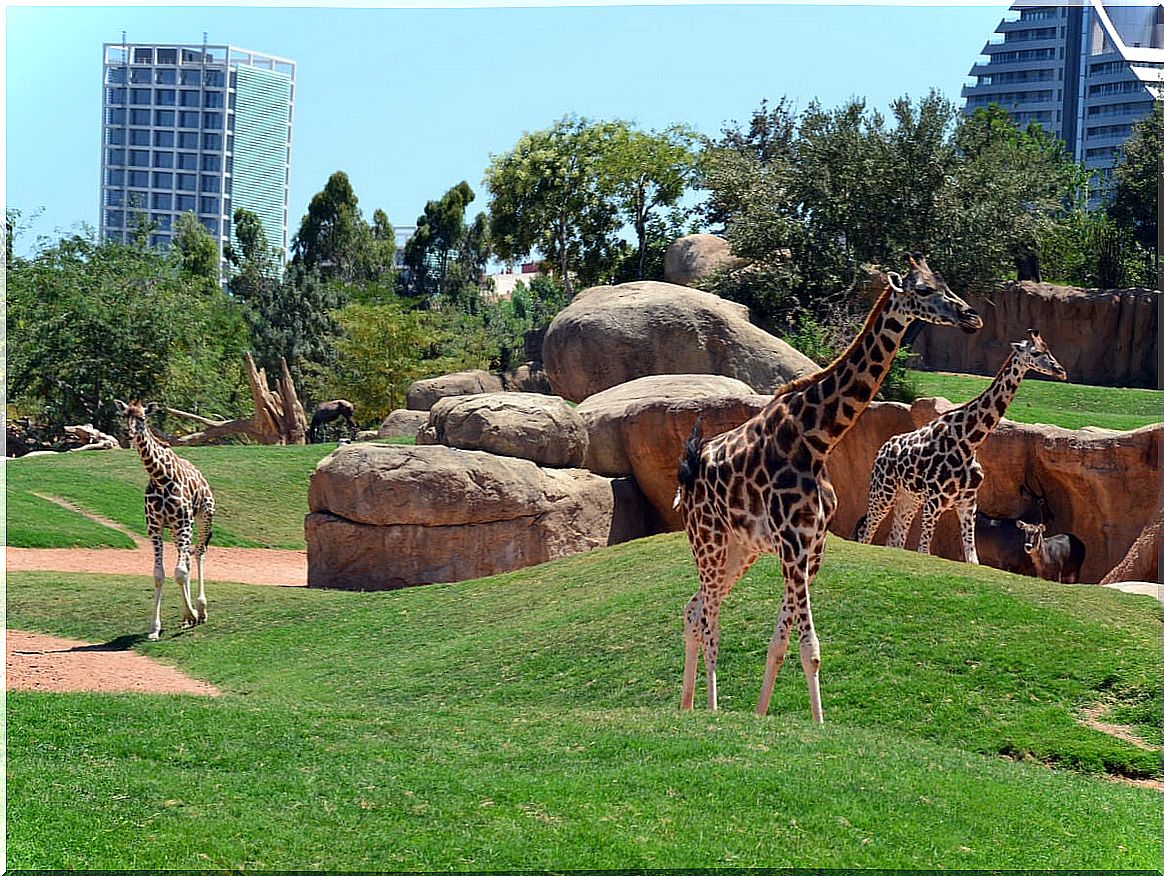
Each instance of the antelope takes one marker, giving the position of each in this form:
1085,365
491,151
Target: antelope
1058,558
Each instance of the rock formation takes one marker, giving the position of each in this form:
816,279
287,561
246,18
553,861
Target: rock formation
423,393
692,259
1102,337
1142,561
540,428
392,516
611,334
402,423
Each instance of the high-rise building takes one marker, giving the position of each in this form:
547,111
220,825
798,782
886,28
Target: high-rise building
195,128
1086,71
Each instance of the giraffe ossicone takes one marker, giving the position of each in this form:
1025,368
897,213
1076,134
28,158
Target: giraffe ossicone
177,497
935,468
762,488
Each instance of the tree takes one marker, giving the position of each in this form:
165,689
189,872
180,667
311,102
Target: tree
382,256
645,172
195,250
546,195
1138,179
440,231
333,238
91,321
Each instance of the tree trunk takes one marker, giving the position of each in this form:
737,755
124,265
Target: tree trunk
278,416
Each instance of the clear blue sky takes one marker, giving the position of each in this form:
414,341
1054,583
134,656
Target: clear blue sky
411,101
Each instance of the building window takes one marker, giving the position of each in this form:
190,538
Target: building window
161,200
187,140
163,180
139,158
210,206
139,137
187,182
115,136
164,118
211,225
163,159
139,96
214,79
115,156
188,119
210,183
114,218
213,121
115,117
115,95
212,162
115,177
189,77
164,221
113,198
187,161
139,117
138,179
143,56
191,98
164,139
167,56
115,75
212,141
164,96
213,99
140,76
185,203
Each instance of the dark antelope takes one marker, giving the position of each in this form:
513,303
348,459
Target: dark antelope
329,411
1000,541
1058,558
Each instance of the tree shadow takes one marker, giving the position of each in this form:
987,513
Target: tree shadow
121,643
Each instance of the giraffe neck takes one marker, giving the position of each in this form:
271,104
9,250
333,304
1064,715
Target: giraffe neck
158,460
838,394
983,412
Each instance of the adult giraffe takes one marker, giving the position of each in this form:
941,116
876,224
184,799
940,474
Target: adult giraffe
762,487
176,496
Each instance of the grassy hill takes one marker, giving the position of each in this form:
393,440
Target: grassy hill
530,720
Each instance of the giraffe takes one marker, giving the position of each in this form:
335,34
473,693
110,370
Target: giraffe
176,496
935,468
762,487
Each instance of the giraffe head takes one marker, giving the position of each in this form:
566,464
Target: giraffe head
1034,536
135,415
924,295
1032,354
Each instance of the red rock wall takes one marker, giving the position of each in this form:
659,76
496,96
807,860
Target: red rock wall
1102,337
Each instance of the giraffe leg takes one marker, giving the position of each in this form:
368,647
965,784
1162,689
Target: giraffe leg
155,534
881,498
906,509
930,513
182,572
777,648
204,529
966,507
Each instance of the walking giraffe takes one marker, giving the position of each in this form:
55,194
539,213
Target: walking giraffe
935,467
762,486
176,496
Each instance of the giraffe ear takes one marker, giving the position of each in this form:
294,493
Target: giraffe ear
121,406
152,408
894,279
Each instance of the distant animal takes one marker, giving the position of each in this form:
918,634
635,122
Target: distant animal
329,411
176,497
1058,558
935,468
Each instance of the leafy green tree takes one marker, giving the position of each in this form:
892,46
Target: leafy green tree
382,253
195,250
440,232
646,172
546,195
92,321
378,356
1139,178
333,238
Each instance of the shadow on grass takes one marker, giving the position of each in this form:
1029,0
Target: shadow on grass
121,643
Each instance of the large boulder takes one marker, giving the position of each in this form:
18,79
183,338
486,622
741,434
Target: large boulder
402,423
527,377
604,413
385,516
423,393
541,428
692,259
1108,337
611,334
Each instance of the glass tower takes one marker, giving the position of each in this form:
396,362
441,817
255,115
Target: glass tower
194,128
1086,71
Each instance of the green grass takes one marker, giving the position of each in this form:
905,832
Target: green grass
530,721
261,494
1069,405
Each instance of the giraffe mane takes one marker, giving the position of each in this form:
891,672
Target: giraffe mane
806,380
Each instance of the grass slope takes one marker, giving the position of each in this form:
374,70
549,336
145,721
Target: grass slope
529,721
261,494
1069,405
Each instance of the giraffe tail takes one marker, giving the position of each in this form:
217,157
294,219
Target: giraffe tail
689,462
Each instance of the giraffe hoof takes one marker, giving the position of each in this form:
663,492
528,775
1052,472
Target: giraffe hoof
154,634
